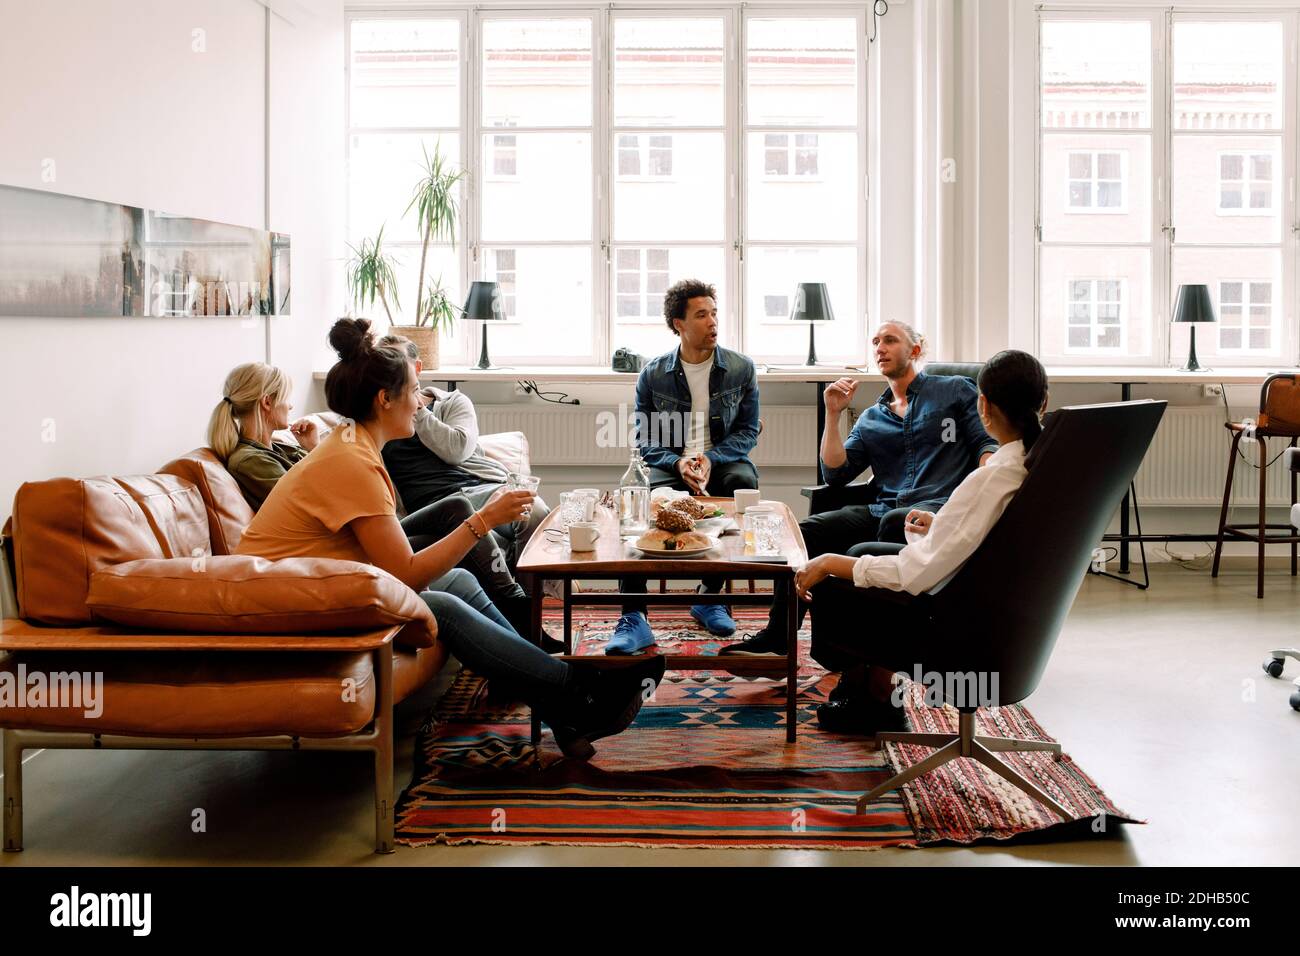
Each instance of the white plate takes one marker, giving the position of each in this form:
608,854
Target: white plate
691,553
716,526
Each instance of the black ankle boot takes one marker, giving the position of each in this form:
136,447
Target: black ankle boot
602,702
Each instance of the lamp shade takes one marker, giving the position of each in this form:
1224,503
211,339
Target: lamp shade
1194,304
812,303
483,304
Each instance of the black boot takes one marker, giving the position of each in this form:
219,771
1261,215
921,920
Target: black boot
601,702
518,610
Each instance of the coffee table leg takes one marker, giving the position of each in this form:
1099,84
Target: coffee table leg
568,615
792,662
539,596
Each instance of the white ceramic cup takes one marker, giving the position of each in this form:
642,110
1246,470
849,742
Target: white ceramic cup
746,498
583,535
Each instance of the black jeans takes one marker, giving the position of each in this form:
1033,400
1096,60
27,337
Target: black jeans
852,627
723,482
841,532
485,560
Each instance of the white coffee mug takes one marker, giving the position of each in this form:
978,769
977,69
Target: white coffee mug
583,535
746,498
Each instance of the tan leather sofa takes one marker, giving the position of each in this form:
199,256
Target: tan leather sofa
309,685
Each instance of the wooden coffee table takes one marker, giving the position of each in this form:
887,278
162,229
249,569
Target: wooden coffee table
547,557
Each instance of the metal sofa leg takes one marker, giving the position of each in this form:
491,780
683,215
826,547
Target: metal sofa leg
13,791
384,823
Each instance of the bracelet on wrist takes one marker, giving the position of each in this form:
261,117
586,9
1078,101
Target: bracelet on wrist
468,522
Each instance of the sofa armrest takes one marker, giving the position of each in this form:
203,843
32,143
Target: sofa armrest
18,635
829,497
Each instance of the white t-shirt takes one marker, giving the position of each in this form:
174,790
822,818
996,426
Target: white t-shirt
697,429
927,563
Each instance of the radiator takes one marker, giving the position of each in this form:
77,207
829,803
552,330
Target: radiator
1185,466
1188,462
590,434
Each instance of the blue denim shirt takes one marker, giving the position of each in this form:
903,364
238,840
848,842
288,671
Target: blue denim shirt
663,404
922,456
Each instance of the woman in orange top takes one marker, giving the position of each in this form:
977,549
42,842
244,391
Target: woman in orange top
339,503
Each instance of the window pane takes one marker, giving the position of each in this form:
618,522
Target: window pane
1227,75
786,205
441,264
801,72
383,169
641,327
1231,274
1075,209
1080,165
553,308
1229,338
1115,276
537,72
1096,74
550,196
776,272
668,72
1210,202
405,73
686,201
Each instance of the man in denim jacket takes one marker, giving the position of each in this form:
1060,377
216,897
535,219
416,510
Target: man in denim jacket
697,421
919,439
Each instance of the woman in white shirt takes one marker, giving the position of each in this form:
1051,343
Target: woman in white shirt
1013,394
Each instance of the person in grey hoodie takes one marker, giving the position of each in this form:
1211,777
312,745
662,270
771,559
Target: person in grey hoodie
442,471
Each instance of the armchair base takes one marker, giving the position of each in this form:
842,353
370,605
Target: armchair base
966,743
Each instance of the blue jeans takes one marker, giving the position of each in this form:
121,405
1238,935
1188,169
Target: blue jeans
474,630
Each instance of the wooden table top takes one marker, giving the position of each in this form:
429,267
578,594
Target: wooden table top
549,553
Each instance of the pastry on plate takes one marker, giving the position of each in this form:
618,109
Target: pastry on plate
670,519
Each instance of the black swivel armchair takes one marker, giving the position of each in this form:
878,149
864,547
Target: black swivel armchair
829,497
1000,615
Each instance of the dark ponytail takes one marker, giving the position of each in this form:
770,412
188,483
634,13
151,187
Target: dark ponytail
362,371
1016,383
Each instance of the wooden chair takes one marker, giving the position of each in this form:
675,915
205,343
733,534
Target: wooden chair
1279,417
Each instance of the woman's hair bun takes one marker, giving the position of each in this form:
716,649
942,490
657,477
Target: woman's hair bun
351,338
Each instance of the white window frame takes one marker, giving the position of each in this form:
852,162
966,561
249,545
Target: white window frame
861,245
461,18
1164,233
1095,180
1245,325
475,157
1095,328
1246,182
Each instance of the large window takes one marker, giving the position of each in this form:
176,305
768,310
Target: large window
1188,165
613,151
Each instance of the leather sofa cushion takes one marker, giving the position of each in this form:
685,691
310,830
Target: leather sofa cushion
242,594
214,694
228,512
175,511
66,529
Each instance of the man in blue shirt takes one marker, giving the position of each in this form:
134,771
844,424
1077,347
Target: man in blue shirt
697,421
919,440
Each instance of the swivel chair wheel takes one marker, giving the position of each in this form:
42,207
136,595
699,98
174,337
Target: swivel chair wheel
1274,666
1295,700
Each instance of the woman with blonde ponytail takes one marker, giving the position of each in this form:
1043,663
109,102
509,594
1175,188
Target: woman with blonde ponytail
254,404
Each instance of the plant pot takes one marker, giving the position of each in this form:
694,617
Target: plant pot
425,338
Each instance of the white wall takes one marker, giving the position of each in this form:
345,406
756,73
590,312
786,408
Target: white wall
115,94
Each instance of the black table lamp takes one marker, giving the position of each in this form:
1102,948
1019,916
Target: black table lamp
812,304
1194,305
484,305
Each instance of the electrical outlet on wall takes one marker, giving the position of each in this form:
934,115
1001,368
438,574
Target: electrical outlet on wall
1211,391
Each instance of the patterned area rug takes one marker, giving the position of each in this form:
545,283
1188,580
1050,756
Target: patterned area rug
704,765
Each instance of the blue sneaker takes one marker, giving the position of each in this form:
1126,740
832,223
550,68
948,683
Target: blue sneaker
631,634
715,619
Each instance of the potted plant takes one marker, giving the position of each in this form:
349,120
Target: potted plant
434,203
370,275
